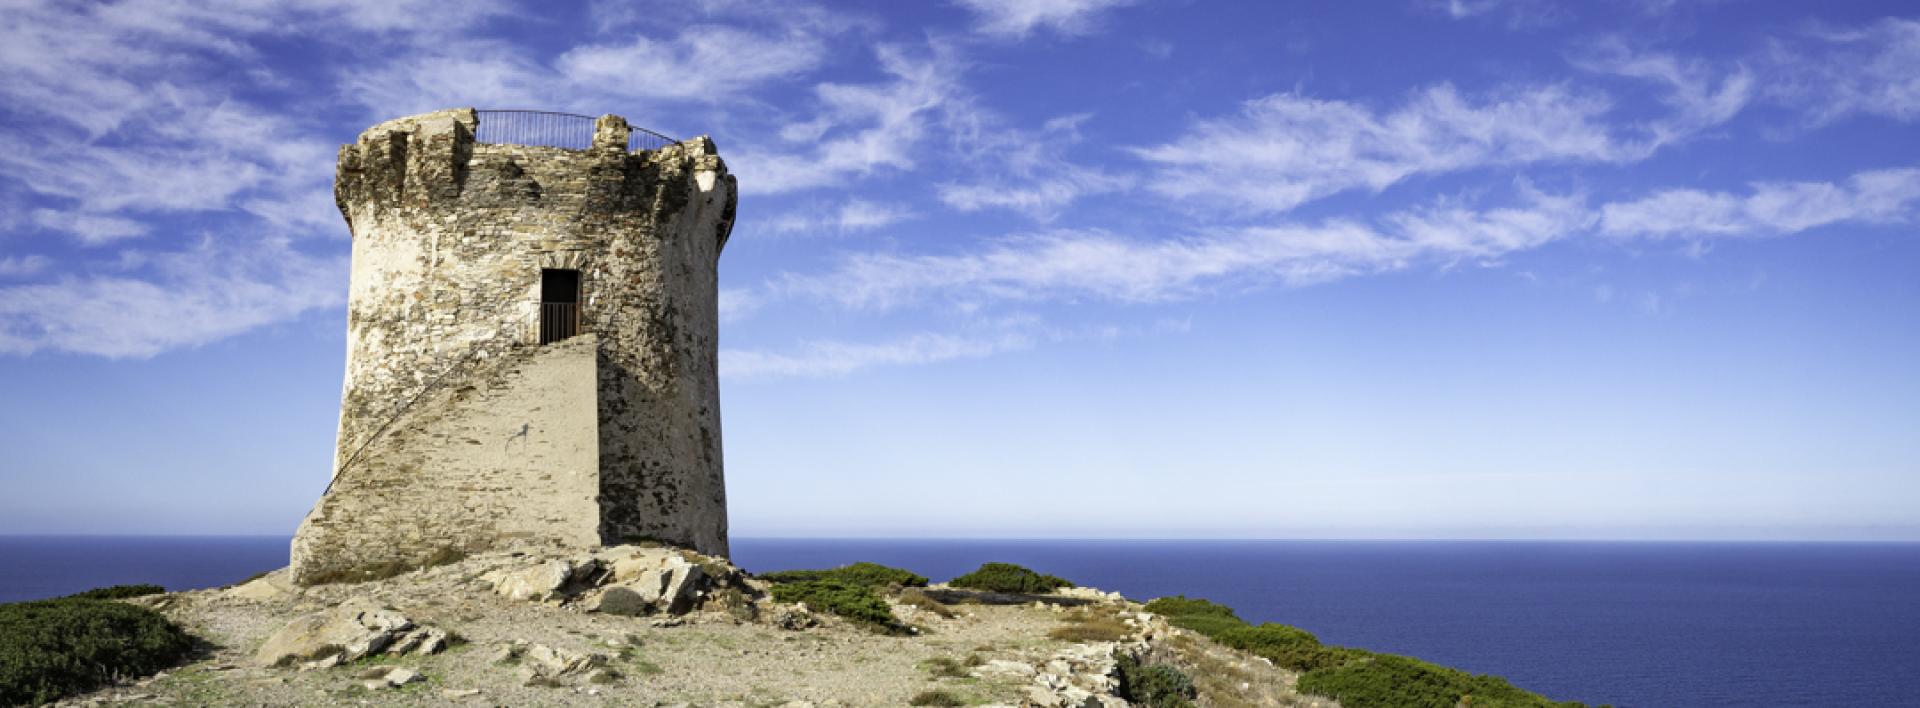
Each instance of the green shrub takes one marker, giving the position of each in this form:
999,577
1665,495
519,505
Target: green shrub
1007,577
869,574
1355,677
55,648
1385,680
1291,647
1153,685
854,602
1182,606
117,592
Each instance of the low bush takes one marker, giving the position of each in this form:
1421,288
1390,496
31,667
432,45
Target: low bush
1355,677
117,592
1007,577
855,602
935,698
1154,685
55,648
869,574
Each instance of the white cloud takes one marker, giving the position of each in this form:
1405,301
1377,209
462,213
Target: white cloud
16,266
1070,264
852,216
737,303
1031,173
1769,209
210,292
127,116
1518,14
1701,95
861,128
705,62
1873,70
1019,18
1283,150
90,229
820,359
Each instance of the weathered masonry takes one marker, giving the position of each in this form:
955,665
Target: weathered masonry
531,342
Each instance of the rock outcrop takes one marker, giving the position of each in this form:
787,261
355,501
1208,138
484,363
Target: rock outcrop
352,630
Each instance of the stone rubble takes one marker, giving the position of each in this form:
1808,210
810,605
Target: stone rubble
354,629
622,580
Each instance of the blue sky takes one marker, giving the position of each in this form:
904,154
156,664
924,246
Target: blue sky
1060,268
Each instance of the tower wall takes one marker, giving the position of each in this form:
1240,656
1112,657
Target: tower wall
449,240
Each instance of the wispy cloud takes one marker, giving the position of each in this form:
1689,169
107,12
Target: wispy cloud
1768,209
187,298
737,303
1284,150
1867,70
17,266
1516,14
1030,172
817,359
979,337
1074,264
852,216
705,62
1699,94
861,128
1068,264
1019,18
89,229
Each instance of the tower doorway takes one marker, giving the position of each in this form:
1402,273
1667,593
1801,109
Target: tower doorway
559,304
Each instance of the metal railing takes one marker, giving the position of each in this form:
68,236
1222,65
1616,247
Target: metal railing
558,320
549,129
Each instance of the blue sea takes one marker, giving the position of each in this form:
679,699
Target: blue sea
1631,624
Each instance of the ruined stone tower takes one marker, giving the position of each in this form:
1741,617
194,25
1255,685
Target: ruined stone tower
531,342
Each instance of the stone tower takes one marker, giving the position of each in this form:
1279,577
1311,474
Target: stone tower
531,342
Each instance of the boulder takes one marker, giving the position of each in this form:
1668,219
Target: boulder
353,629
562,662
683,588
546,581
675,589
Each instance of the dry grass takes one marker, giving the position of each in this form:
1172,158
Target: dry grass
944,667
1086,625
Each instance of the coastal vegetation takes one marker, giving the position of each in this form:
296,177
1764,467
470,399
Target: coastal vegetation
1355,677
1007,577
853,601
850,591
60,647
863,573
118,592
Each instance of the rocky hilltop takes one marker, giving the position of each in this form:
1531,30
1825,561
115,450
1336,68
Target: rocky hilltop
656,625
